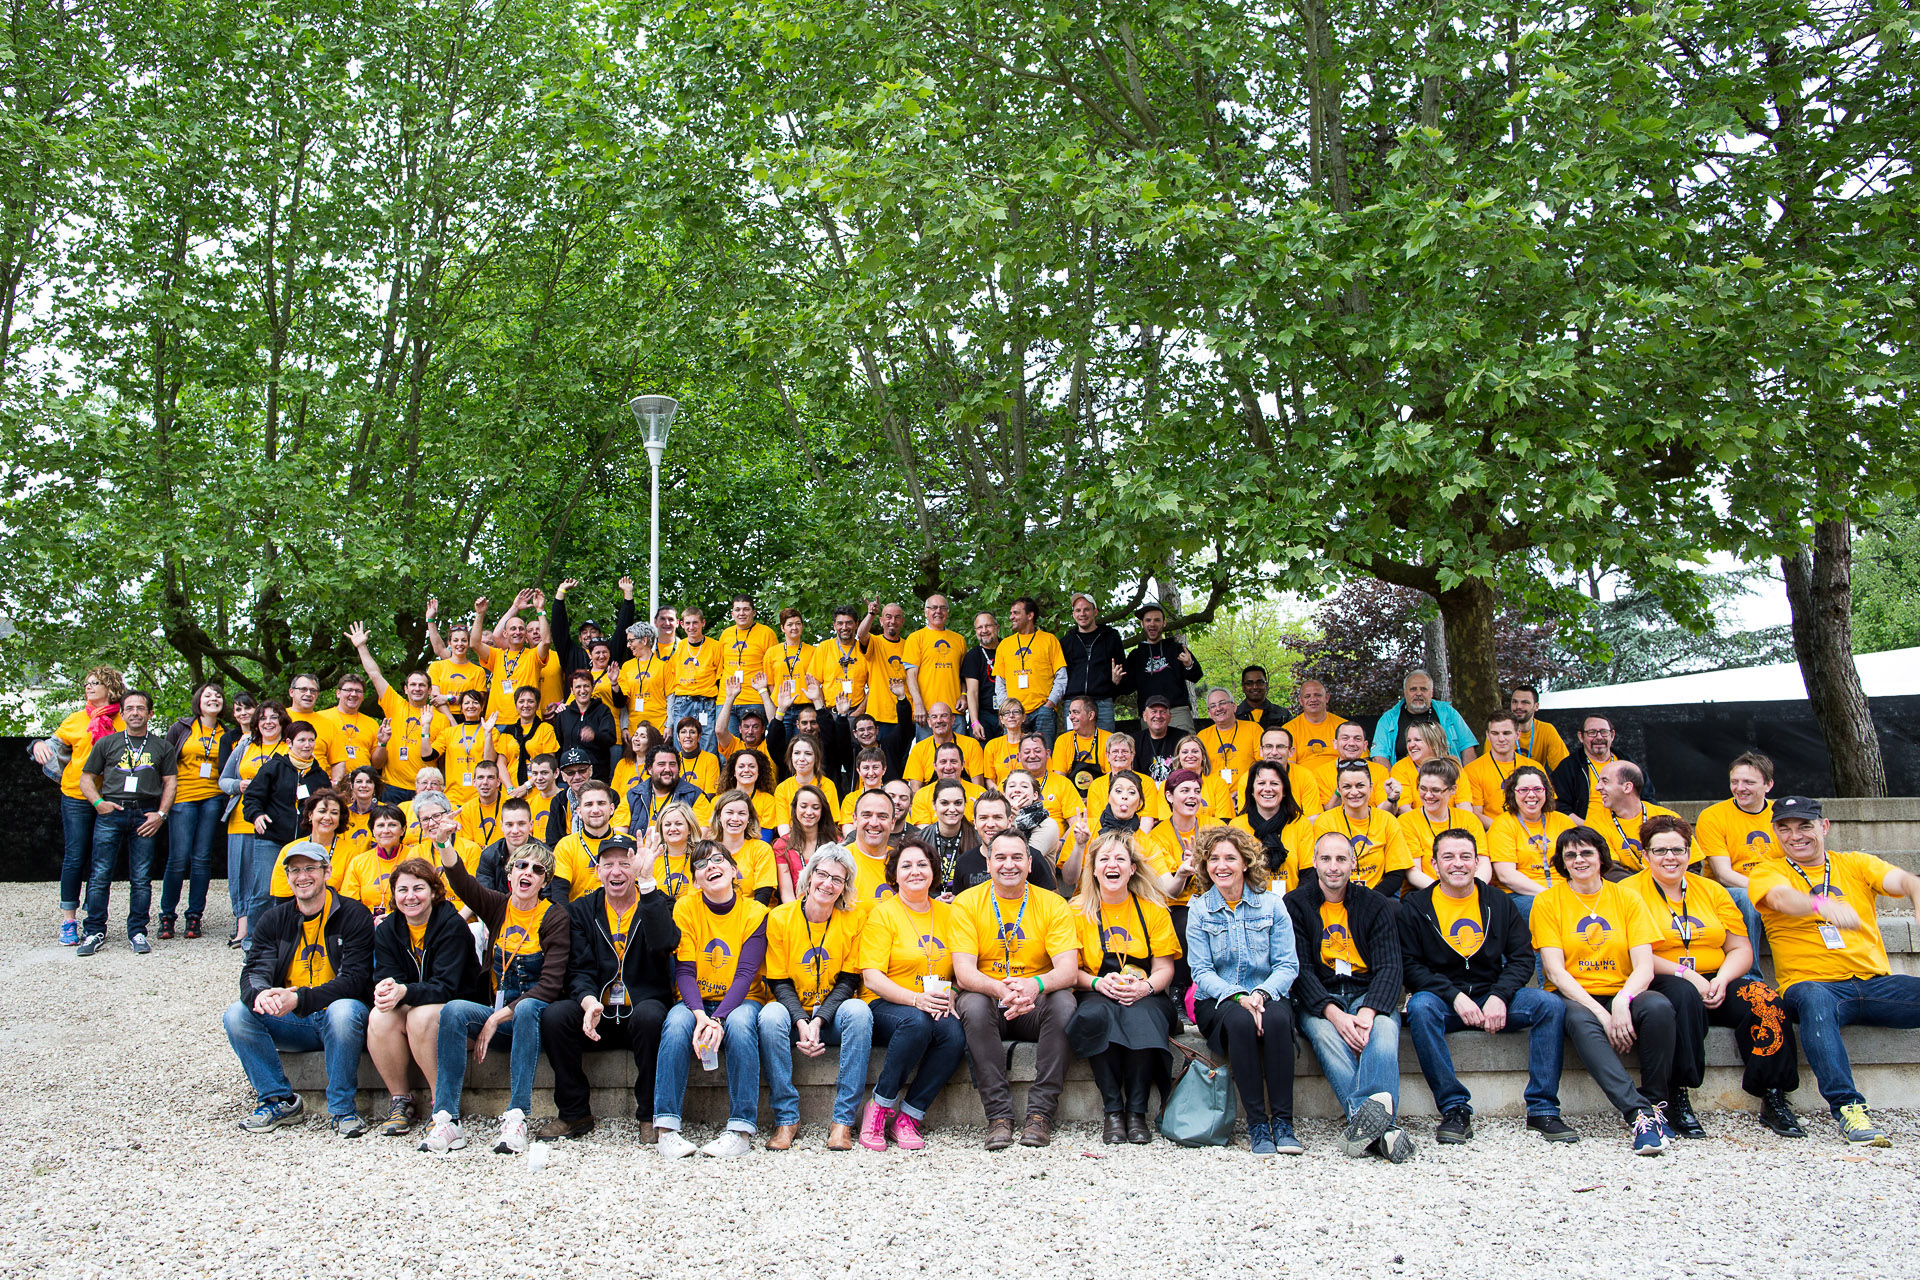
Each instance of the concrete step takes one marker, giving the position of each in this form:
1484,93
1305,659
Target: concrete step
1881,826
1494,1068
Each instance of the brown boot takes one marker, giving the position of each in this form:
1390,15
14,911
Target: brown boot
840,1138
999,1135
783,1137
559,1127
1039,1131
1113,1130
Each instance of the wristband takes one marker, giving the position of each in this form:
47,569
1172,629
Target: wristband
1041,983
96,804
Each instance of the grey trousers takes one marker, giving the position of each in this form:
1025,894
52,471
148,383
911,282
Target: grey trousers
987,1029
1653,1029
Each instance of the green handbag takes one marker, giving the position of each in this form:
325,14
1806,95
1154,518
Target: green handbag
1200,1110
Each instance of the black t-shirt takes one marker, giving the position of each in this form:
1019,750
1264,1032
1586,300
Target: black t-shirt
978,665
1156,758
1408,719
147,760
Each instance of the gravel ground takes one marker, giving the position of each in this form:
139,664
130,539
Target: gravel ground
127,1095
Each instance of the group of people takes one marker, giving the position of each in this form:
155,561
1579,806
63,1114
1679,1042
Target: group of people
786,872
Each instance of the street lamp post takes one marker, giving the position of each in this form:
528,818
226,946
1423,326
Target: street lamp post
655,416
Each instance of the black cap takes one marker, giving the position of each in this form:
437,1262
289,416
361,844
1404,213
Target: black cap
1157,700
618,841
575,755
1795,807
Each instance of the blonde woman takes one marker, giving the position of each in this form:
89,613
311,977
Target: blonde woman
1127,946
669,847
1424,742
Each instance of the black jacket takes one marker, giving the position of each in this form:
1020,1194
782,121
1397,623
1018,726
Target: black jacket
539,975
275,792
1572,789
276,942
1375,936
1155,668
1502,965
606,734
593,962
229,738
448,969
566,642
1090,660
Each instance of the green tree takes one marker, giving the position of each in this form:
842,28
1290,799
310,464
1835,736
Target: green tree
1886,581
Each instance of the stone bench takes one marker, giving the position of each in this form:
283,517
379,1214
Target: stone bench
1494,1068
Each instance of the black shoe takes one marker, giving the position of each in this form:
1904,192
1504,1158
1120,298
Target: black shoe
193,924
1680,1116
1113,1131
1455,1127
165,932
1552,1128
1777,1114
1138,1130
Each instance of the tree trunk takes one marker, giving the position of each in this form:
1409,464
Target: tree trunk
1820,594
1467,611
1437,665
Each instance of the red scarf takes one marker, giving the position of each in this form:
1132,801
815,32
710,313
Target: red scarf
100,723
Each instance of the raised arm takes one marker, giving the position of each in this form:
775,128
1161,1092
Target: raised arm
357,637
434,641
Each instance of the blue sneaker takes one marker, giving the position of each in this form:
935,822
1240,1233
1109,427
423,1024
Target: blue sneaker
1260,1138
69,933
275,1113
1284,1143
1649,1134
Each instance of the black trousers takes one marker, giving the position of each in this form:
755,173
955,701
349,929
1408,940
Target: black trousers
1128,1077
567,1046
1769,1055
1262,1064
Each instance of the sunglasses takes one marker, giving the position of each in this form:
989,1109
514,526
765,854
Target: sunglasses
528,866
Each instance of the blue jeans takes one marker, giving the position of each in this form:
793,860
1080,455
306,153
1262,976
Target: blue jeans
112,831
76,856
1042,720
917,1045
1355,1076
680,705
1103,713
1429,1019
1756,930
239,872
263,855
1822,1008
741,1045
339,1030
460,1021
190,831
397,795
851,1029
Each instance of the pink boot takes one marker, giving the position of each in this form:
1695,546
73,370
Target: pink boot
873,1128
906,1132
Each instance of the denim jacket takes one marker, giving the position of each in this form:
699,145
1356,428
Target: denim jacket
1248,948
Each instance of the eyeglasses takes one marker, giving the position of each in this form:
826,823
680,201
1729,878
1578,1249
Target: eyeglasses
707,860
528,866
837,882
1529,791
306,688
1666,848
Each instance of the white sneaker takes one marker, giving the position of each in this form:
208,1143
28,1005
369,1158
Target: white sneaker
443,1135
513,1133
673,1144
728,1145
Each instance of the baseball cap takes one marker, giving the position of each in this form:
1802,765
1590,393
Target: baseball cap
312,850
575,755
1157,700
618,842
1795,807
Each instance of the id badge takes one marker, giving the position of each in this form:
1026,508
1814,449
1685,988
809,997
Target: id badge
299,792
640,706
499,1001
1226,775
846,687
132,784
1023,680
1686,962
352,751
403,753
466,779
1830,934
1343,968
206,770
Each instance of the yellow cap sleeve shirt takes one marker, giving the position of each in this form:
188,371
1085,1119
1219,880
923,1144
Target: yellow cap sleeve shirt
842,672
1460,921
745,652
1419,832
1528,846
1594,934
905,944
1336,939
1378,845
1482,781
1313,742
1118,933
1694,922
757,870
935,657
1016,939
1727,831
786,668
712,941
411,740
1800,954
809,955
697,669
1027,664
885,669
576,859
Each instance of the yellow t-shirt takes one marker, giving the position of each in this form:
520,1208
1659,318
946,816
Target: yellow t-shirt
1013,939
841,673
745,652
702,769
553,687
1528,848
1725,830
513,759
1482,780
1326,774
1074,755
519,935
1541,741
252,756
921,812
1378,846
1623,834
1799,954
452,679
368,878
344,739
672,874
1000,757
1460,920
1704,913
414,729
460,747
712,941
1419,831
645,684
1231,751
1165,849
919,767
1313,743
1594,934
886,677
696,669
786,663
1306,789
757,870
935,657
199,765
1117,931
340,855
812,955
79,739
870,881
508,674
1027,664
784,793
906,945
310,966
479,821
576,859
1336,938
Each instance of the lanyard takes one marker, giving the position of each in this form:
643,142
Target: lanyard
1593,774
1622,830
1138,915
136,756
1682,923
790,661
318,940
1089,756
1021,651
816,949
1533,732
621,938
1539,842
487,824
1006,943
1826,876
923,939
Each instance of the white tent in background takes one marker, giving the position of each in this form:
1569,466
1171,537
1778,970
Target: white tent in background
1882,675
